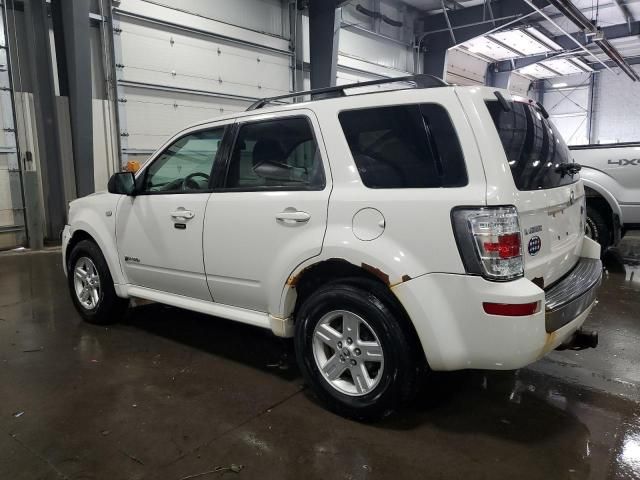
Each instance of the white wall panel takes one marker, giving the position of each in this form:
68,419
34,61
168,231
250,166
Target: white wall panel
568,105
180,18
259,15
387,53
150,117
616,108
573,128
170,76
161,55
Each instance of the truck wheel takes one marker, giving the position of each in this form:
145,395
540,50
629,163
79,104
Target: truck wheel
354,352
597,228
91,285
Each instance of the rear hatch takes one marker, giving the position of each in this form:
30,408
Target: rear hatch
550,198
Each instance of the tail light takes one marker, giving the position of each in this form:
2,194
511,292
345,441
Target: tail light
489,241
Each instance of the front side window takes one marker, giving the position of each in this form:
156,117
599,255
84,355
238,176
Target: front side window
405,146
276,154
185,166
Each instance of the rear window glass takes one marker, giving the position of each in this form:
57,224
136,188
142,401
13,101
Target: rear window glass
404,146
533,146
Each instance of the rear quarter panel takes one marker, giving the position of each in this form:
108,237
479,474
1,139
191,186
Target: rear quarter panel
417,236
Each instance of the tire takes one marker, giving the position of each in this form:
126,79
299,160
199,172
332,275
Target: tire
390,382
99,303
597,228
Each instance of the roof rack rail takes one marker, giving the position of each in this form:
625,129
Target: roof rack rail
422,80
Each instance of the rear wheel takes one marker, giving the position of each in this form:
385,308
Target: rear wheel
354,352
91,285
597,228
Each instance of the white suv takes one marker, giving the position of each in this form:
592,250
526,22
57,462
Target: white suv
389,233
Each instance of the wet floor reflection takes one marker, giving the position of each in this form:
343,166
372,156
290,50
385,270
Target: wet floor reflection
168,393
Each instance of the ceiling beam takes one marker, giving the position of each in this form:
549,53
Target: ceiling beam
630,61
471,22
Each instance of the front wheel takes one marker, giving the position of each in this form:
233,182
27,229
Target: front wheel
91,285
354,352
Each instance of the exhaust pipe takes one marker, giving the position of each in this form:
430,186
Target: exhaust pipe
580,340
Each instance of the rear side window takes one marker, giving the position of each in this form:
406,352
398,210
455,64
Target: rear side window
405,146
534,148
276,154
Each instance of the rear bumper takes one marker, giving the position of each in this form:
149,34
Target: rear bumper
456,333
571,296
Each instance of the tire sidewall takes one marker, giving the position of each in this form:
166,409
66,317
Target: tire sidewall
342,297
595,233
90,250
600,230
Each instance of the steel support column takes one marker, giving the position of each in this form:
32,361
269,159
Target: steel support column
324,31
73,29
37,34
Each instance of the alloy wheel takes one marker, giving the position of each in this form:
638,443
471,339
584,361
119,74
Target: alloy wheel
348,353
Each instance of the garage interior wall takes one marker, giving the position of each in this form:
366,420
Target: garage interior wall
602,104
368,48
567,101
615,101
180,62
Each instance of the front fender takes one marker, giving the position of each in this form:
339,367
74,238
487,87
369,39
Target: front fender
96,215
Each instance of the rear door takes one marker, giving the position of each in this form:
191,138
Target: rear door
270,212
525,160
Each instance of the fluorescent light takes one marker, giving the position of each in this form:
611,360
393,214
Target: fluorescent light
559,85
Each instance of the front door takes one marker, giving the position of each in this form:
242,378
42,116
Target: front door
159,231
270,213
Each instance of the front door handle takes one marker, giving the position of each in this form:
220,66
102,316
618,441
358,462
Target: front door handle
293,216
182,214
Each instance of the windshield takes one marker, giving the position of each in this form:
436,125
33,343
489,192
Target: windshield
533,146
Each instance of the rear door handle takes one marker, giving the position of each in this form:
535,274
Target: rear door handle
181,213
293,216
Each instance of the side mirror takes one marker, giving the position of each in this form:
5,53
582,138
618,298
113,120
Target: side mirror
122,183
273,171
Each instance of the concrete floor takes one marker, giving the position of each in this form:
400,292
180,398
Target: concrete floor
169,394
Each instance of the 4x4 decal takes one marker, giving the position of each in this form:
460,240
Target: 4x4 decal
623,162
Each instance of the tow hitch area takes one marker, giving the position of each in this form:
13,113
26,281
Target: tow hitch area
580,340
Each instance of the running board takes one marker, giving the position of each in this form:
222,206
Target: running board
243,315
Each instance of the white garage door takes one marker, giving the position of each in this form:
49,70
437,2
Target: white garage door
174,69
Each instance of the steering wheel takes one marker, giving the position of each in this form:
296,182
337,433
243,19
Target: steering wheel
190,177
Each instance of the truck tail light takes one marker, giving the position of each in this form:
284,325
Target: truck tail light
489,241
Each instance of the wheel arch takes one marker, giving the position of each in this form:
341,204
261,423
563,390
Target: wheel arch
594,189
85,232
306,280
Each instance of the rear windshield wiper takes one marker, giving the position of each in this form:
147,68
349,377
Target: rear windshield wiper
568,169
543,110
